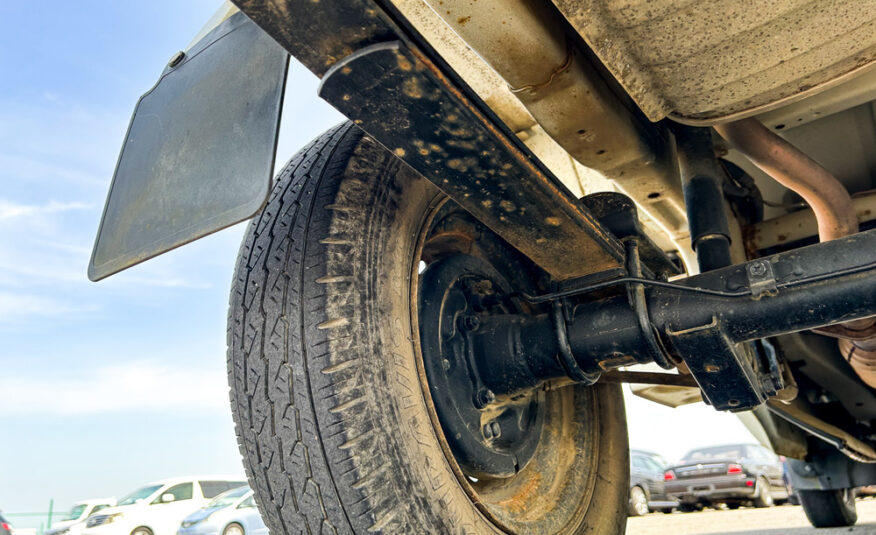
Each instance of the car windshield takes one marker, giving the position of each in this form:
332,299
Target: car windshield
76,512
228,497
140,494
707,454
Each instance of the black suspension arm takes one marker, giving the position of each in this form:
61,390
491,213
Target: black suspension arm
806,288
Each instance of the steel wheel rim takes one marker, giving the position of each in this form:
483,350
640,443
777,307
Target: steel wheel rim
471,486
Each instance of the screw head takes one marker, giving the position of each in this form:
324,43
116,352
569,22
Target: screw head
757,269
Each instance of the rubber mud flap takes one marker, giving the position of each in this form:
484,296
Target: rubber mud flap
199,152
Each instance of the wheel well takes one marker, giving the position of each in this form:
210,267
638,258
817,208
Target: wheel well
235,523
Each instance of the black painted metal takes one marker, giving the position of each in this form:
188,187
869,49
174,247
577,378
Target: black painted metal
701,179
822,284
462,304
618,213
400,91
402,101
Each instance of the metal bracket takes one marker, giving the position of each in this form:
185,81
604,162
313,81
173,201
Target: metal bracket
761,278
721,367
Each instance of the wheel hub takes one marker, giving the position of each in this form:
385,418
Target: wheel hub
489,435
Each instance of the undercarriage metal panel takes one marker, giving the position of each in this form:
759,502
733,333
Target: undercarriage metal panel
199,152
702,62
377,71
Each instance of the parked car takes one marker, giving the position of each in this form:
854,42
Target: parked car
231,513
736,474
74,522
5,526
647,487
158,508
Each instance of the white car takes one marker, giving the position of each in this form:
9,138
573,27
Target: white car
74,522
231,513
158,508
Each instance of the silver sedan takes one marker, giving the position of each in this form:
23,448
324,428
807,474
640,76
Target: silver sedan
233,512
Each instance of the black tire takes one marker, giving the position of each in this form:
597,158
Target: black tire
733,506
638,502
763,496
337,432
829,508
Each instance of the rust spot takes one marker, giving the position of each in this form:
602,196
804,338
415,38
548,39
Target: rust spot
412,89
400,152
781,237
517,502
463,20
506,205
553,221
404,64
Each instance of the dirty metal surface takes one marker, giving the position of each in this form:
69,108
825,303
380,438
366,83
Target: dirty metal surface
702,62
399,92
199,152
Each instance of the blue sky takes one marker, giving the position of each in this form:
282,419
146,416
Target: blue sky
106,386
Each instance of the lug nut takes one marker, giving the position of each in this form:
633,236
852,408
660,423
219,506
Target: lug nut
484,397
470,322
496,429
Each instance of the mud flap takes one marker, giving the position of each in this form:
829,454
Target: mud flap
199,152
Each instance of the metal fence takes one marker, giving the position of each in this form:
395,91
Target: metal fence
35,523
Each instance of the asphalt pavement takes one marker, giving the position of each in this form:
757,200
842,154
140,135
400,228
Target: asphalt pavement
782,520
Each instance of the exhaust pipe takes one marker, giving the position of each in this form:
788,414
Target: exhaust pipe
828,198
834,211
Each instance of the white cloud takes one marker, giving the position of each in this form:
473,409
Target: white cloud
139,385
19,307
9,209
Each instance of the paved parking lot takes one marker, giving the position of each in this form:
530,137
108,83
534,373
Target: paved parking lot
784,520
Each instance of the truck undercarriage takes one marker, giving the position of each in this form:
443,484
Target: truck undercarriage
436,302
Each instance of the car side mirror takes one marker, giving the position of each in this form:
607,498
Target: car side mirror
167,498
